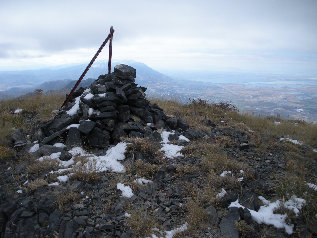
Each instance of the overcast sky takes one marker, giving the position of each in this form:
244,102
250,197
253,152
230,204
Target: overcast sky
252,35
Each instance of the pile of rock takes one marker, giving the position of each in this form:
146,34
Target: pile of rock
114,106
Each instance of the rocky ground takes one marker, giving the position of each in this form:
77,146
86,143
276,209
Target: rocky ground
152,174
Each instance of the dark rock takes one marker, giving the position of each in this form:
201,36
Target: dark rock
60,122
47,150
18,138
182,124
172,123
227,225
244,146
107,109
86,126
171,169
160,124
124,113
194,135
250,200
107,227
245,214
73,138
117,133
228,198
43,219
208,122
124,71
52,137
98,138
25,214
105,115
212,215
109,124
65,156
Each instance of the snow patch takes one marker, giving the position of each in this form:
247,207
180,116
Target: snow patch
296,142
181,137
63,178
224,173
127,214
142,181
72,125
266,213
89,96
90,111
52,156
75,108
54,184
19,191
126,190
34,148
59,145
222,193
170,150
315,150
170,234
17,111
311,185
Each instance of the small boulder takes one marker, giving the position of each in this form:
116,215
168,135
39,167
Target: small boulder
86,126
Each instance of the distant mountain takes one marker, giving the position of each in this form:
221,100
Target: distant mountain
17,83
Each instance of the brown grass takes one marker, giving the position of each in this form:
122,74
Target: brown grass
41,106
5,152
35,184
42,167
86,171
65,197
141,223
149,149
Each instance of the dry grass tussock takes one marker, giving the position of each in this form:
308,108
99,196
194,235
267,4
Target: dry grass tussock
35,184
42,106
86,171
141,222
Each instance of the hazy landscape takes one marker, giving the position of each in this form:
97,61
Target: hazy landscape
285,96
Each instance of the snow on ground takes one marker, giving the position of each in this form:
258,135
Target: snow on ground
59,145
181,137
295,204
17,111
54,184
63,178
52,156
170,150
126,190
222,193
72,125
311,185
266,212
19,191
75,108
240,179
127,214
90,111
224,173
142,181
108,162
34,148
296,142
170,234
89,96
315,150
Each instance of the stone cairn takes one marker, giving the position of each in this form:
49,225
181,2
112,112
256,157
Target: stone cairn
114,106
